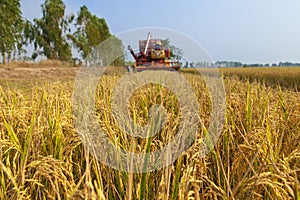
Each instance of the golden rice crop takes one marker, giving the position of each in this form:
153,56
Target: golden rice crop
256,157
285,77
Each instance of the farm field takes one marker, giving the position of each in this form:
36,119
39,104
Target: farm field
256,157
287,77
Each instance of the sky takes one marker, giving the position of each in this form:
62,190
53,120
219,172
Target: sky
249,31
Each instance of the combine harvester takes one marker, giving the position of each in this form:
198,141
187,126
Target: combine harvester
153,56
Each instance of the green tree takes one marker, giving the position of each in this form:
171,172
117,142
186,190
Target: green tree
49,32
90,32
11,26
176,52
118,48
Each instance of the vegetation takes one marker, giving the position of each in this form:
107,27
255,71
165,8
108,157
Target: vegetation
235,64
48,33
90,32
176,52
10,29
51,35
42,157
286,77
256,157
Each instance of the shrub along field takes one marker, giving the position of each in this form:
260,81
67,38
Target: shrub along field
256,157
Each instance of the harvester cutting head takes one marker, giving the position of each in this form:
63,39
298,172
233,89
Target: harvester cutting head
152,55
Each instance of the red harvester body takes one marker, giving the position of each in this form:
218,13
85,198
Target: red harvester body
153,56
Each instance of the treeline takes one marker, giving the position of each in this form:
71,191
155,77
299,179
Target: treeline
240,64
53,36
232,64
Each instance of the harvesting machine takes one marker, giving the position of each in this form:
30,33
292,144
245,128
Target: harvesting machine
153,56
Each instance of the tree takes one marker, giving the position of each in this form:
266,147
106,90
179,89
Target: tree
11,26
48,33
90,32
176,52
186,64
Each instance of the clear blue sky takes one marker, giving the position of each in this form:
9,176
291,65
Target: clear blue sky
249,31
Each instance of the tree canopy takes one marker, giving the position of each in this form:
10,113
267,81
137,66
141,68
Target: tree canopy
54,34
11,27
176,52
90,32
49,31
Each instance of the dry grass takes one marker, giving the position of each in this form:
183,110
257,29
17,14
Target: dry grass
257,156
24,75
41,64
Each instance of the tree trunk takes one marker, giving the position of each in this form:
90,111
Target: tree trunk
9,58
4,57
